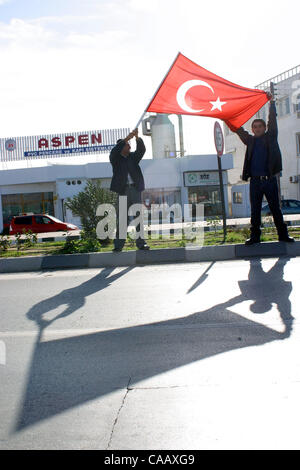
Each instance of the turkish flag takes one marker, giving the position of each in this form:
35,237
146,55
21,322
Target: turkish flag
192,90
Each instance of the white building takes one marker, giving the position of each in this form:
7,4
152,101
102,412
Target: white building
42,183
287,87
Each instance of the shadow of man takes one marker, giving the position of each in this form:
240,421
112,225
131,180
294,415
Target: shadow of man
267,288
73,298
69,372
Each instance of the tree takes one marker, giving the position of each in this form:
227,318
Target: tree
85,204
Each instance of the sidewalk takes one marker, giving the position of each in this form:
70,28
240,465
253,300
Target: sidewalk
131,258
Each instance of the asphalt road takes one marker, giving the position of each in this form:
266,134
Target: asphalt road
183,356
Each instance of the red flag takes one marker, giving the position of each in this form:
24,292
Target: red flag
192,90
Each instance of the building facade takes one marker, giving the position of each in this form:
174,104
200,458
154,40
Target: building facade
39,173
45,185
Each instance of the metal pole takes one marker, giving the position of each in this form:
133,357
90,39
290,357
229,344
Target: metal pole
222,198
181,135
141,118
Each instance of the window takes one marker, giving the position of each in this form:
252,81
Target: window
298,143
294,204
42,220
297,105
36,203
209,196
284,106
161,196
23,220
237,198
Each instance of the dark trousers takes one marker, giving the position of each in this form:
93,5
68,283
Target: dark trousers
133,197
269,188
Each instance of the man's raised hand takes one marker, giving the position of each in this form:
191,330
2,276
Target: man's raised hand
130,136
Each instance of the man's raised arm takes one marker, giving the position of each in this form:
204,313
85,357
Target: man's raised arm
241,132
117,148
140,147
272,123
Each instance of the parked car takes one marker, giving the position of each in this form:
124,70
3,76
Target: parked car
289,206
38,223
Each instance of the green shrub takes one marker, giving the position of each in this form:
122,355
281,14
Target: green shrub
85,204
4,243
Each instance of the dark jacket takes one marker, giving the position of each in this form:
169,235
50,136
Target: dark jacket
124,165
271,142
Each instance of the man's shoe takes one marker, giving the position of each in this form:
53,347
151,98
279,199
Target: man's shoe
287,239
252,241
117,250
144,247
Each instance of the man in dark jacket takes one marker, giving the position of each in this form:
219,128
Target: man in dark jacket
128,181
262,164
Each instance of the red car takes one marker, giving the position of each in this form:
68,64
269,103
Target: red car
38,223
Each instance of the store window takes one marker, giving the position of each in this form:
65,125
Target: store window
161,196
16,204
209,196
237,198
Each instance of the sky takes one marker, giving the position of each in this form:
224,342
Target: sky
76,65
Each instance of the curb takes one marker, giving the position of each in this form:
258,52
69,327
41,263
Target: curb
130,258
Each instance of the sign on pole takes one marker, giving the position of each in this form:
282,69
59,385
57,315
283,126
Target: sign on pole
219,139
219,143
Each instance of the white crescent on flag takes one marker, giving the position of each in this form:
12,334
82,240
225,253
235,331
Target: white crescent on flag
182,91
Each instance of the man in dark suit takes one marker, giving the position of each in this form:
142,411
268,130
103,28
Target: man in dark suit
262,164
128,181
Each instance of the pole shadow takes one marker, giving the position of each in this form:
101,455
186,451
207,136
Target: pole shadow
69,372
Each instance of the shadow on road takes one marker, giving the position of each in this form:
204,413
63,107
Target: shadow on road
73,298
68,372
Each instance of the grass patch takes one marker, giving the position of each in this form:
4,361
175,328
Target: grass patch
234,236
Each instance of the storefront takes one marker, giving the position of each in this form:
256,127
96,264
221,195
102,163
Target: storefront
204,188
15,204
43,189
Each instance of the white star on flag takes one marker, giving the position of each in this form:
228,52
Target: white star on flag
217,104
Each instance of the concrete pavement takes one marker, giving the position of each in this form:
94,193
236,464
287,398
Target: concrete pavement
183,356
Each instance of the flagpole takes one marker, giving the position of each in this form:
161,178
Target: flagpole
142,116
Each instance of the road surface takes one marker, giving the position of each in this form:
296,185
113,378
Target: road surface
183,356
